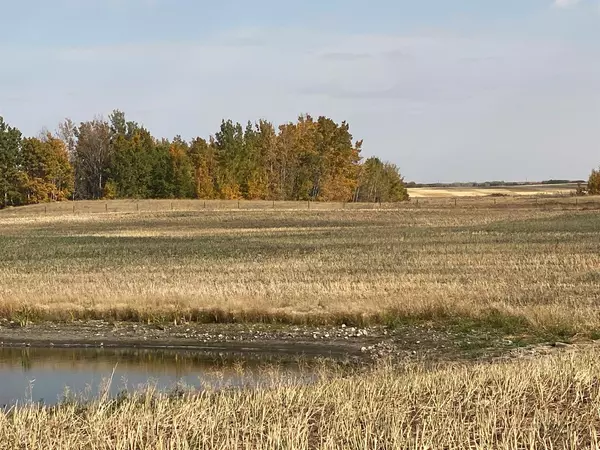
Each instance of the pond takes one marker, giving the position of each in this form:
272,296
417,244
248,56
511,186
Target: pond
49,375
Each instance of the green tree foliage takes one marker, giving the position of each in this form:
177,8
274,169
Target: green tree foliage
594,183
380,182
264,181
304,162
254,178
161,175
132,164
309,159
10,150
181,171
230,150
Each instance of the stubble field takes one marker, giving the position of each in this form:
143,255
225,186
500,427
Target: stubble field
537,266
532,268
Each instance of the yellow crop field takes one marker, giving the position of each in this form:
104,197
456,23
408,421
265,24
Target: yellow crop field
527,190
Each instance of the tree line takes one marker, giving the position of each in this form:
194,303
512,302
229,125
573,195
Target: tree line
309,159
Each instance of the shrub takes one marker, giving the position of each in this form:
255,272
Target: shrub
594,183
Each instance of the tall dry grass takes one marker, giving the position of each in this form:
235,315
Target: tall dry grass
540,267
548,403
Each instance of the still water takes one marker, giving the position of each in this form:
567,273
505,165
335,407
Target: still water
49,375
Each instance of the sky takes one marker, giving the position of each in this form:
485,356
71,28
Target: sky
449,90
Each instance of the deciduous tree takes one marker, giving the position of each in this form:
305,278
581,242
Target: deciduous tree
594,182
202,156
181,169
48,174
229,147
131,164
380,182
305,159
93,156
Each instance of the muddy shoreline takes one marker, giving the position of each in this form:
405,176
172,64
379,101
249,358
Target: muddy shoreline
413,342
204,338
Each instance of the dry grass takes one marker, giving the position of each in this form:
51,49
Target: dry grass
548,403
500,198
530,266
539,266
146,206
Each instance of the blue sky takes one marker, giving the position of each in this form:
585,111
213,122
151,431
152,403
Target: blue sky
447,89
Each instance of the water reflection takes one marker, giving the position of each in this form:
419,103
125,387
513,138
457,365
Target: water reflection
46,374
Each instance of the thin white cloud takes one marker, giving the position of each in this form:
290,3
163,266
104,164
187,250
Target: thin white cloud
566,3
443,107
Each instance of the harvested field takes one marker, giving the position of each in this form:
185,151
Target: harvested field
533,265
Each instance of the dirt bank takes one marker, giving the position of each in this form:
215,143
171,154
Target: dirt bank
418,342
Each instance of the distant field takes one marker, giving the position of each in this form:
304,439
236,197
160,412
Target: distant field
541,189
539,266
175,205
422,197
